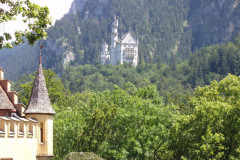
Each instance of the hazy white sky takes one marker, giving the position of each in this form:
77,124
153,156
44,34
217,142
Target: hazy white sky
57,9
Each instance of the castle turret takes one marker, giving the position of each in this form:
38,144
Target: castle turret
40,108
114,40
105,47
105,56
114,36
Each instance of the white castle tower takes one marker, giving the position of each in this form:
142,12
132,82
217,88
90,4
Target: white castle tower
105,56
114,36
114,41
122,50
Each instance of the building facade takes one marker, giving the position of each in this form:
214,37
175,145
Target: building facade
122,50
26,133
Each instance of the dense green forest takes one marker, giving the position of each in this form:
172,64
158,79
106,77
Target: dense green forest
149,112
158,25
175,80
133,122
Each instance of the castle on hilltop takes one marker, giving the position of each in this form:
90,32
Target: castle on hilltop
122,50
26,133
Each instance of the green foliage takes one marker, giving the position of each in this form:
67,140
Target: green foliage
175,82
115,124
135,123
99,78
30,12
69,122
211,131
214,63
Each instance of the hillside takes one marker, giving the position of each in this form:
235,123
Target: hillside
213,22
168,31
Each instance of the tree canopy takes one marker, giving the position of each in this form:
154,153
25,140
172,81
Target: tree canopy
135,123
212,130
36,17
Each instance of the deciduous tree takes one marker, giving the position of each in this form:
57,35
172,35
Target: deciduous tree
35,16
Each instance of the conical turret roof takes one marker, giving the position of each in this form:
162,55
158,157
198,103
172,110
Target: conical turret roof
39,102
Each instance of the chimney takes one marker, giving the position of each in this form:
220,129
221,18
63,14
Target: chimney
13,97
6,85
21,108
1,74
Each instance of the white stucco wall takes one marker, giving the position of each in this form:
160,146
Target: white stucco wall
18,147
26,146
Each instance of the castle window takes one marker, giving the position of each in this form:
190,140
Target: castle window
42,132
129,53
21,129
11,131
30,130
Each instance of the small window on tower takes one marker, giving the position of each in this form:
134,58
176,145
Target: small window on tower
42,132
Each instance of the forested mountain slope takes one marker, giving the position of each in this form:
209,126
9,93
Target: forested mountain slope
175,82
168,31
213,22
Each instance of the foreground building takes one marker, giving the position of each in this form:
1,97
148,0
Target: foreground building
122,50
26,133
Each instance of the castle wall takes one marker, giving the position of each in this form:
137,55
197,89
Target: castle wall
105,57
15,139
45,147
134,48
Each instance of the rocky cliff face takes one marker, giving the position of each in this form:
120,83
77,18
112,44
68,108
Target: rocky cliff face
214,22
210,21
77,6
96,8
60,51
